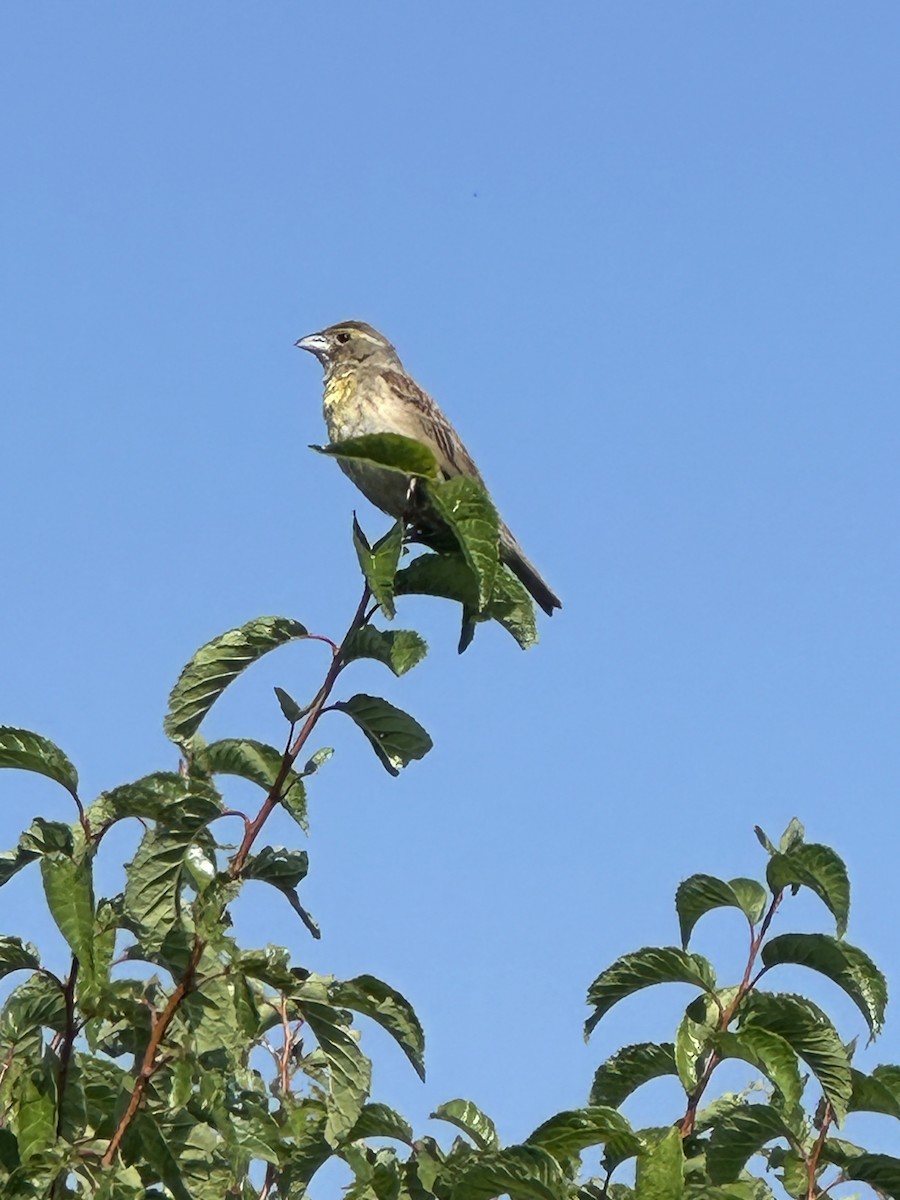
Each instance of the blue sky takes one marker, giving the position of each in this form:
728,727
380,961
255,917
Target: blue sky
647,259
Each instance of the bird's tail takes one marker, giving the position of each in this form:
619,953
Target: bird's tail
527,574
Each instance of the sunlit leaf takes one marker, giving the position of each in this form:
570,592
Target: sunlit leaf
809,1032
818,868
643,968
849,967
466,509
471,1120
393,1012
767,1051
393,734
660,1168
27,751
701,893
400,649
217,664
567,1134
628,1069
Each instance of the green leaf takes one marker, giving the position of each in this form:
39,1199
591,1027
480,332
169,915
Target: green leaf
399,649
306,1120
807,1029
12,861
283,869
27,751
349,1074
393,1012
567,1134
394,735
693,1042
173,800
738,1136
153,885
701,893
471,1120
36,1003
878,1092
377,1120
792,837
392,451
379,563
816,867
652,964
35,1110
218,663
768,1052
466,508
257,762
660,1168
290,708
849,967
449,576
879,1171
520,1172
628,1069
16,955
69,889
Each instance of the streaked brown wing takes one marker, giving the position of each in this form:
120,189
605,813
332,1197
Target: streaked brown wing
437,431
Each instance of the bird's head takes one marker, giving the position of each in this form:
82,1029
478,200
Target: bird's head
351,343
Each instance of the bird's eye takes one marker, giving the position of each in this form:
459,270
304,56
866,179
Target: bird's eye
343,337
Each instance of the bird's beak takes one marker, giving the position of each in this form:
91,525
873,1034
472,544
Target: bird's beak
315,343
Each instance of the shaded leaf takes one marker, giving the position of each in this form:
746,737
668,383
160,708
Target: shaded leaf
471,1120
217,664
738,1136
399,649
27,751
643,968
880,1171
379,563
818,868
807,1029
521,1172
567,1134
393,734
393,1012
291,710
701,893
392,451
878,1092
466,508
377,1120
283,869
767,1051
16,955
628,1069
849,967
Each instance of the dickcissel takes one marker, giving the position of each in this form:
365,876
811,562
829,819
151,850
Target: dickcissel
368,391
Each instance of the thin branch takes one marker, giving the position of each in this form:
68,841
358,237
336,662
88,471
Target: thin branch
274,797
812,1163
68,1041
151,1054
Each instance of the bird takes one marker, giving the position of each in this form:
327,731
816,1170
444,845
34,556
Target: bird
367,391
